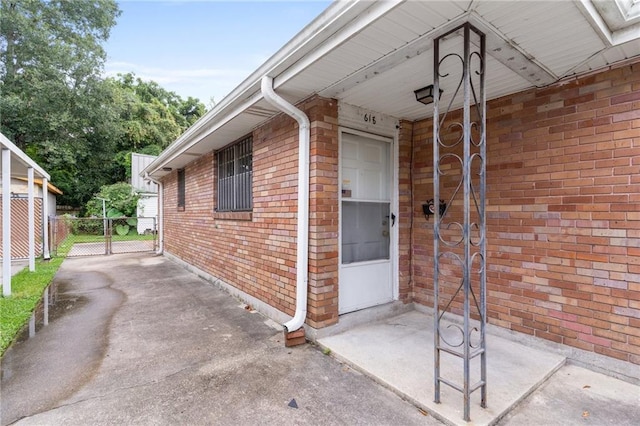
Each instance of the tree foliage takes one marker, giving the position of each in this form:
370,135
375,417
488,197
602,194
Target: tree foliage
52,57
57,107
121,200
150,118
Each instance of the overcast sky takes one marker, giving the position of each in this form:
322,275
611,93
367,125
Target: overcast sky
202,48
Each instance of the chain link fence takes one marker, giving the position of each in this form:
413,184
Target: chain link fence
98,236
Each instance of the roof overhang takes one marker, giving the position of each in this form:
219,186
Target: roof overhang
50,187
20,162
375,54
618,21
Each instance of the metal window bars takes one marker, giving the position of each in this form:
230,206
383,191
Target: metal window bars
235,176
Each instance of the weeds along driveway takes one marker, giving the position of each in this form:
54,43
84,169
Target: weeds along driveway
142,341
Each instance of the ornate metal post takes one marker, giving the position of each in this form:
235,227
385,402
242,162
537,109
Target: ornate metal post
459,238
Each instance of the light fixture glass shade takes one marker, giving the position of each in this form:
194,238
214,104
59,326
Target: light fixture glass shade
425,95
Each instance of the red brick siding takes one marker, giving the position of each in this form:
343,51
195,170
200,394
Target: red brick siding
258,256
422,231
323,212
405,216
563,198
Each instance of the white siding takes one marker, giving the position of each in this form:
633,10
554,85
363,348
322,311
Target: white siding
147,212
138,164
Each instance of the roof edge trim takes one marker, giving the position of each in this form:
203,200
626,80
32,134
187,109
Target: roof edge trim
592,15
336,15
24,158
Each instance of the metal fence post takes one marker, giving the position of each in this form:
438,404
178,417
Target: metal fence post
109,235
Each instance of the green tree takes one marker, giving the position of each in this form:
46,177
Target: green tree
54,104
51,53
150,118
150,114
122,200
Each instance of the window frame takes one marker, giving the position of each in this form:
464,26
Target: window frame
234,187
181,190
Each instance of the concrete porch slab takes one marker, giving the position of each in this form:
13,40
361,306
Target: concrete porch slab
398,353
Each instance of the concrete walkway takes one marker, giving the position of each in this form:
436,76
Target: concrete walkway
526,386
136,339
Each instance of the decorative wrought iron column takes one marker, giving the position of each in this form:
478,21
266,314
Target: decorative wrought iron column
459,238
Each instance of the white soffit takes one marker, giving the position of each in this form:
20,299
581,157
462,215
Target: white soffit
374,54
359,58
397,87
615,54
553,33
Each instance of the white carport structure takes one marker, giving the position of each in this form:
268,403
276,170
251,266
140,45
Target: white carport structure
15,163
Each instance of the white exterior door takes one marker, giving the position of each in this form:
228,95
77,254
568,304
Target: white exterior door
366,222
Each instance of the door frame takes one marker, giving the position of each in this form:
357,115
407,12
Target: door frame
394,202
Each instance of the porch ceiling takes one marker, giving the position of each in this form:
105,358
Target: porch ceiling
375,54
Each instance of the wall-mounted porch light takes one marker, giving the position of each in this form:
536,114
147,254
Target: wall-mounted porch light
425,95
429,208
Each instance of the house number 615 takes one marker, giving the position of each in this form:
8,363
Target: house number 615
368,118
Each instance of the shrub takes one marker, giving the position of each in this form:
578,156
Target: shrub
87,226
122,201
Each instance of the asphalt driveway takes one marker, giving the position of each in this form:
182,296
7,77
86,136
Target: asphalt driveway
136,339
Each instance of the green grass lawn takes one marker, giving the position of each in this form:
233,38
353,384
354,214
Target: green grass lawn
26,291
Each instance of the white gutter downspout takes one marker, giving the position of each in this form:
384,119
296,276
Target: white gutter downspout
302,249
160,223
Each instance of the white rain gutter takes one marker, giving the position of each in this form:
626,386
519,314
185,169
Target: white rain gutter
302,247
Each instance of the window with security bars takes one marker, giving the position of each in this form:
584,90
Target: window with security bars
235,176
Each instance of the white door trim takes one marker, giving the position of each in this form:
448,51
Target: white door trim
394,202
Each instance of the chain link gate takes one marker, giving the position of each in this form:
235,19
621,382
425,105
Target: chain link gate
102,236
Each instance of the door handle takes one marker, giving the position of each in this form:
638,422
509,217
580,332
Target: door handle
393,219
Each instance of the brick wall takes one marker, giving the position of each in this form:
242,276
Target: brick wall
563,203
323,212
405,216
563,213
257,252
